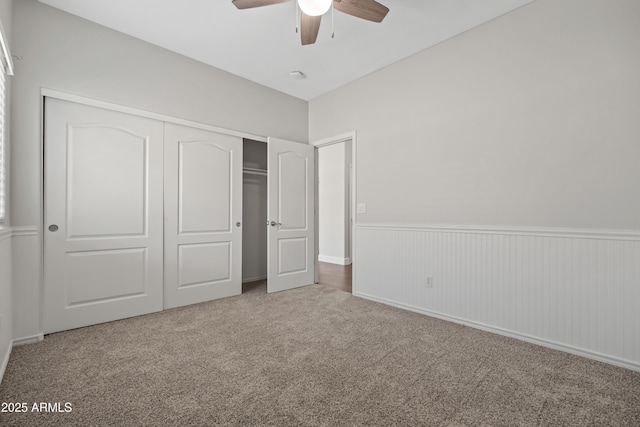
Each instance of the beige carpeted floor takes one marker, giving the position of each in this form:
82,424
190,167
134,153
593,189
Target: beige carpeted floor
310,356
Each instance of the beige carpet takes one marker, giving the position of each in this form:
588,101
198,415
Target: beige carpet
311,356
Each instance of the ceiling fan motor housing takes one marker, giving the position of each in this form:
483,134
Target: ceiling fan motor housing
315,7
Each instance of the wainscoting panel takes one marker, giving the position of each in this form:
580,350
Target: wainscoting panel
26,283
575,290
6,332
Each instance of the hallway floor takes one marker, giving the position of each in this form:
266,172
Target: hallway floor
334,275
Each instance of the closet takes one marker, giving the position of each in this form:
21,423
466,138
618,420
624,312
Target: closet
254,211
145,212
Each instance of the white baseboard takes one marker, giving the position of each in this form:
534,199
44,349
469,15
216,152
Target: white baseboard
253,279
334,260
5,362
511,334
28,340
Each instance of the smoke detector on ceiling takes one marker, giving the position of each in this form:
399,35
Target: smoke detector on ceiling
297,75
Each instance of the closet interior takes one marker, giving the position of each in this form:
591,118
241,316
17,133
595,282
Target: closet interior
254,211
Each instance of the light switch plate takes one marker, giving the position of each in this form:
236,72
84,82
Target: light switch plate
362,208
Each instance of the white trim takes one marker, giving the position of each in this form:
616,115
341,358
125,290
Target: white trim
335,139
22,231
504,332
354,196
334,260
40,296
28,340
253,279
5,233
574,233
5,362
52,93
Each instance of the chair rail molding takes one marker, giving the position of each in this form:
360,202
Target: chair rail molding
20,231
579,233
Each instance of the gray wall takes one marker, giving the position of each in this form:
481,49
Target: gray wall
528,120
69,54
73,55
500,172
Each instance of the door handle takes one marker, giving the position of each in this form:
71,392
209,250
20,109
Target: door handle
273,223
53,228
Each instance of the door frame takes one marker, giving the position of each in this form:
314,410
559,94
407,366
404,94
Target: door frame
64,96
348,136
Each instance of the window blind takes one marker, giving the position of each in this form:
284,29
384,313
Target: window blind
5,69
3,172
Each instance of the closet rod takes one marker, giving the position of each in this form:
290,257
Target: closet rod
252,171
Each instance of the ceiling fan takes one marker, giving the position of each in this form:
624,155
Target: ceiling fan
312,11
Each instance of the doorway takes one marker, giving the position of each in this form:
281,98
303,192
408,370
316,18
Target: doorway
335,213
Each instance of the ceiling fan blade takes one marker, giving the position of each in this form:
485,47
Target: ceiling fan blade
309,27
248,4
370,10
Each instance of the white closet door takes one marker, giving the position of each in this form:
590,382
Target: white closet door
290,208
203,214
103,215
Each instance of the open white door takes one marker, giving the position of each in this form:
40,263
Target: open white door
103,215
291,236
203,214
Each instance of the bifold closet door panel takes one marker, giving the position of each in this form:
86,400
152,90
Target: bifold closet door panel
203,215
103,232
291,202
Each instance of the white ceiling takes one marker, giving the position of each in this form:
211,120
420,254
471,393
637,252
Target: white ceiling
261,44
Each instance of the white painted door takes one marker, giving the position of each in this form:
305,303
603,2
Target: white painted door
291,199
103,215
203,214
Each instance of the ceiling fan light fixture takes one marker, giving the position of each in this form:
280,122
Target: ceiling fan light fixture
315,7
